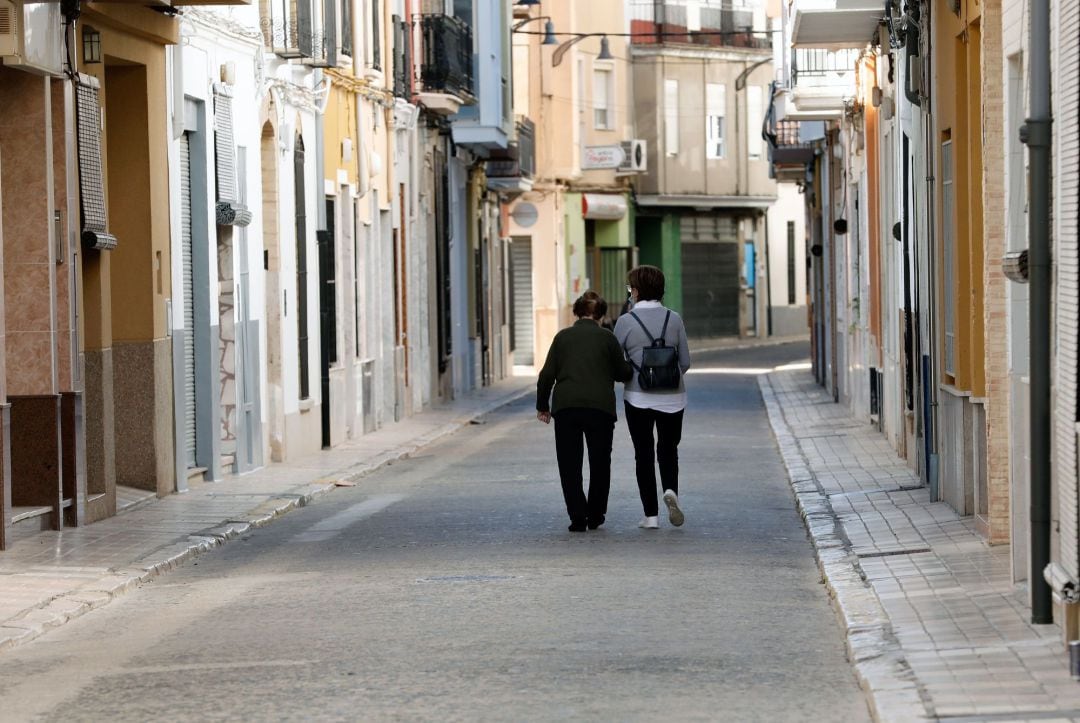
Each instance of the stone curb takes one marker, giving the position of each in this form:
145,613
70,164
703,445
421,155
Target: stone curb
892,690
36,621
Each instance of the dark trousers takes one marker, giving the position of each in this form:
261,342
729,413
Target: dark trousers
668,435
573,429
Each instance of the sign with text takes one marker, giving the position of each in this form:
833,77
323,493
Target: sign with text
601,157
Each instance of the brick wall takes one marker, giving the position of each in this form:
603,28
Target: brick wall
994,307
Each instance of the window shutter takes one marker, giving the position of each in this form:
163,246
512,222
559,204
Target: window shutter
95,232
346,27
330,35
304,27
230,212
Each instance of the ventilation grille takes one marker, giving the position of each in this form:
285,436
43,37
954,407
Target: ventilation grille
7,19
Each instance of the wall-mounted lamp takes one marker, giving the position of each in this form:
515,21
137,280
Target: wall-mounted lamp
91,43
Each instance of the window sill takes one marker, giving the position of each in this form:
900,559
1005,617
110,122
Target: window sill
306,405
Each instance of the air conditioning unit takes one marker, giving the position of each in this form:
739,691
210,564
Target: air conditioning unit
32,36
634,156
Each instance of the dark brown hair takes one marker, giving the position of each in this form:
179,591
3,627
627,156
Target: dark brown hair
590,305
649,282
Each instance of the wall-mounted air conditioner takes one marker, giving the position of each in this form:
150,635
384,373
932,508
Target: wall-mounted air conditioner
32,36
634,156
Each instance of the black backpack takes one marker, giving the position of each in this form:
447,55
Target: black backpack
659,362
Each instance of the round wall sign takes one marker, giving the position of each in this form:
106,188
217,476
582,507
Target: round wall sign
525,214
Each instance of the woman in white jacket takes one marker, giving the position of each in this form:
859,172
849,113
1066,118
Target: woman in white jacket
659,409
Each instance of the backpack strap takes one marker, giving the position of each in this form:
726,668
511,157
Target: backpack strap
663,332
646,329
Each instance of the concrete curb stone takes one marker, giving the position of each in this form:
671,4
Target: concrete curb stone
893,693
54,612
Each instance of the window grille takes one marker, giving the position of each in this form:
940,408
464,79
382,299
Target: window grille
91,178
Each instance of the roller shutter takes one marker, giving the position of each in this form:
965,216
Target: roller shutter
189,302
1066,210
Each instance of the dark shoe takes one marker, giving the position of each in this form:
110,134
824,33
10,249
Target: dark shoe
594,523
577,526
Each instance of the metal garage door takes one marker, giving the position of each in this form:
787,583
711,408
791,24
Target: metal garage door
710,267
189,303
521,298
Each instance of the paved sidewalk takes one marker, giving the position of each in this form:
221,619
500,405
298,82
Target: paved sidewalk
51,577
935,627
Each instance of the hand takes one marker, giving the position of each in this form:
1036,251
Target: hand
544,417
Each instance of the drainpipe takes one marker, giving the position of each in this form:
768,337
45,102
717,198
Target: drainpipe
1036,135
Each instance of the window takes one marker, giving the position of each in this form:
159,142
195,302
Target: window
948,241
671,117
715,104
791,263
602,87
755,117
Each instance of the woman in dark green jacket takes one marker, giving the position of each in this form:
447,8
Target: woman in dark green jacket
583,364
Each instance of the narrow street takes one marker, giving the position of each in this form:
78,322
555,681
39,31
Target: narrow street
446,587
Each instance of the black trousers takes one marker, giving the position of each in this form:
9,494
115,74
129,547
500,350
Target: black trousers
668,435
573,429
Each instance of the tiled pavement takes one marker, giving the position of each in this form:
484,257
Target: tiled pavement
48,578
936,629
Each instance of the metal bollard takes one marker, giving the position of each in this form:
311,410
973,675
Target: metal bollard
1074,659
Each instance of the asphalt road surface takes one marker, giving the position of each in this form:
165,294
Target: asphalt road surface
446,587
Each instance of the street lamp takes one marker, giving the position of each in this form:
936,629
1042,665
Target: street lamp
605,48
549,29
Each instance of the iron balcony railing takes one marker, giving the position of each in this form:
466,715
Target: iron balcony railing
787,150
447,62
820,63
719,23
520,161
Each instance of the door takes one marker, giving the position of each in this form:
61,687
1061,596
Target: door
189,303
327,315
521,301
712,295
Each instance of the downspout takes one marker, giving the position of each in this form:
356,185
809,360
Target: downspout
1035,133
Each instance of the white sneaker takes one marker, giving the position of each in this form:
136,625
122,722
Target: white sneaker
649,523
674,513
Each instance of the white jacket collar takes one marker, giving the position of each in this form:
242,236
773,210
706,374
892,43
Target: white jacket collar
647,305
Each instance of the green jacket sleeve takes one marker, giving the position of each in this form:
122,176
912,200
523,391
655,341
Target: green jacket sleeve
546,379
621,369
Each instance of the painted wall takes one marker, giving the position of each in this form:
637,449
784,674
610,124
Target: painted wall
788,315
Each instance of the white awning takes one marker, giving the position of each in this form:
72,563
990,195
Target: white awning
603,206
835,29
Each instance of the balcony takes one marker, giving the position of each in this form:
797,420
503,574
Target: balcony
446,68
820,82
513,171
846,24
713,23
789,152
290,30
